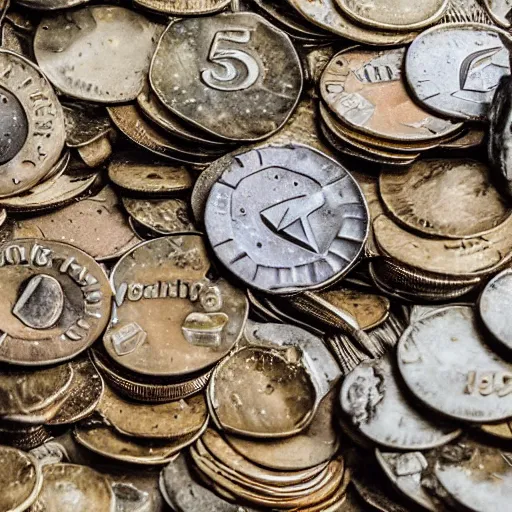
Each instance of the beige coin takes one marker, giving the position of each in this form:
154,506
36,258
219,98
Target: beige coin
96,225
314,446
96,153
55,301
365,89
108,443
165,216
20,480
59,168
184,7
424,198
169,420
501,430
73,487
469,257
395,14
170,319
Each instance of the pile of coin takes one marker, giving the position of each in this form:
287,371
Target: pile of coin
255,255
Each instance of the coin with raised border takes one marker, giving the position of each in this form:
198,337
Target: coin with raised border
85,123
183,7
500,11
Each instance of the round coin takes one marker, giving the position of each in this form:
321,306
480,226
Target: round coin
500,11
235,76
306,231
445,363
55,301
116,43
49,5
454,69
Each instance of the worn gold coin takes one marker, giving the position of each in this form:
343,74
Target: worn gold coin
184,7
20,480
448,198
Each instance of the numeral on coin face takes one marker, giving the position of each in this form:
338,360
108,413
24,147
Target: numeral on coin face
488,383
227,78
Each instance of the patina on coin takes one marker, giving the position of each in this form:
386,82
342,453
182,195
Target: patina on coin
445,363
98,53
454,69
31,124
169,318
54,304
366,90
424,198
306,231
500,11
20,480
235,76
73,487
183,7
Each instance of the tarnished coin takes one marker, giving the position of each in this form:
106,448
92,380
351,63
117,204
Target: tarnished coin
500,430
24,437
495,305
183,7
235,76
31,125
446,364
68,486
372,398
394,14
454,70
500,11
20,479
169,318
424,197
85,123
54,304
305,232
366,90
114,42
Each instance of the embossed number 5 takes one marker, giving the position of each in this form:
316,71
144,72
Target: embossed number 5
223,81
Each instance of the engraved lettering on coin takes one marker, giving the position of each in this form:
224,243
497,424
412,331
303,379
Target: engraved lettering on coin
13,126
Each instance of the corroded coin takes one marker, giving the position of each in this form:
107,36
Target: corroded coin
500,11
116,42
20,479
454,70
237,76
305,232
446,364
366,90
184,7
55,301
424,197
169,318
32,124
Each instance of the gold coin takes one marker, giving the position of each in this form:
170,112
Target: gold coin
96,153
448,198
501,430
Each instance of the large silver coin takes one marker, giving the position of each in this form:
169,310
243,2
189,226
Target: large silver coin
98,53
496,306
13,126
444,362
286,219
455,69
233,75
371,396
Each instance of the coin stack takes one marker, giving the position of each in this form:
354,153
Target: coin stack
246,265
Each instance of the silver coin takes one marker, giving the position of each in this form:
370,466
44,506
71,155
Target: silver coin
13,126
50,5
233,75
495,306
454,69
371,396
500,11
445,363
98,53
286,219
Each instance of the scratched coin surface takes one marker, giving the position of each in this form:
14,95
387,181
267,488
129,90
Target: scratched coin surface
169,318
183,7
31,124
305,232
54,304
366,89
378,408
446,364
500,11
424,197
454,69
235,75
114,42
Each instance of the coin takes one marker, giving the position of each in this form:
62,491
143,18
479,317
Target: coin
85,123
48,5
500,430
97,152
32,124
454,70
184,7
240,79
116,42
394,14
21,480
446,183
81,487
281,242
445,351
500,11
169,318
